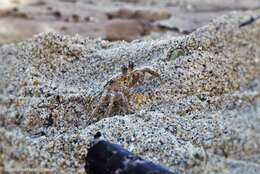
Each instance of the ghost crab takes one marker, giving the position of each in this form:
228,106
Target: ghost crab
118,90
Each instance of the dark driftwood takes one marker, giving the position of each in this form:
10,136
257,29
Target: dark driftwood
106,158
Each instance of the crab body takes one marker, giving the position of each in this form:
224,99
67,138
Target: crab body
123,91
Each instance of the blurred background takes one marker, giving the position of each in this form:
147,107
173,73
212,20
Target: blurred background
111,19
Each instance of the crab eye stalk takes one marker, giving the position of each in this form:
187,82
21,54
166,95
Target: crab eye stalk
124,70
131,65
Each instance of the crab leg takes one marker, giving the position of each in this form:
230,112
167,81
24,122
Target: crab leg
152,72
95,111
110,105
126,102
